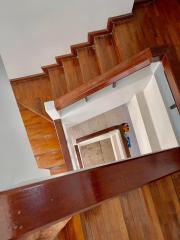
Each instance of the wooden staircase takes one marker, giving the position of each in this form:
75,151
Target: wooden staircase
144,209
151,24
31,94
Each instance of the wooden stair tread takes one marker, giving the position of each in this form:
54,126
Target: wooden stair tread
73,75
106,54
88,63
58,81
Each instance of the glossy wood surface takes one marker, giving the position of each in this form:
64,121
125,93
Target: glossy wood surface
86,54
73,230
116,73
43,139
78,155
146,213
25,208
88,63
33,92
58,82
105,51
145,29
63,144
22,105
153,23
150,213
73,73
172,71
33,76
176,181
139,61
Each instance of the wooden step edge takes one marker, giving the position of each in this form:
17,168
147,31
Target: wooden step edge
60,58
118,19
34,111
47,67
30,77
90,42
137,2
75,47
92,35
142,3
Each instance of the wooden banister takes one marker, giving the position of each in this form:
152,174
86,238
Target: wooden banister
33,206
133,64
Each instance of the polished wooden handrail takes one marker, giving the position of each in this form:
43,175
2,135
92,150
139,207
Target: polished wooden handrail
121,70
124,69
33,206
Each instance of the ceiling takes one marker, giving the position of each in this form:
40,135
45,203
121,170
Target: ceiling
33,32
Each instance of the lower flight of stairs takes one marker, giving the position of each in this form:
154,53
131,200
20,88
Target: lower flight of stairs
44,141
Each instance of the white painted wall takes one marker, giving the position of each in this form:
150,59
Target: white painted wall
17,163
34,32
118,146
139,126
159,115
116,141
168,99
148,122
149,114
108,119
